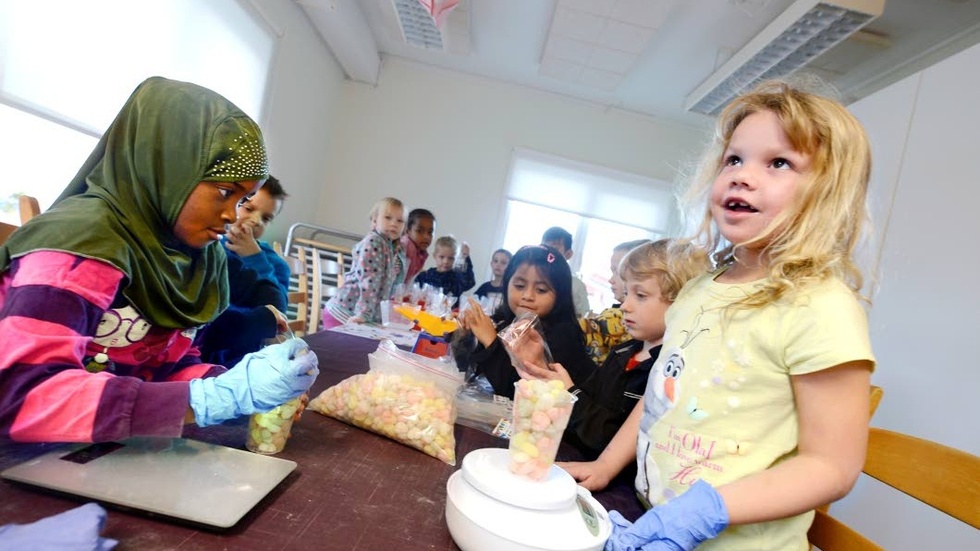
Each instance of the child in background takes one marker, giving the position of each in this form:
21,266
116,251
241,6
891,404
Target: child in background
605,331
561,240
757,410
443,276
538,281
653,273
494,289
255,213
255,310
419,229
375,269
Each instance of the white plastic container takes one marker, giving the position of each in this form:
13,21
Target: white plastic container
489,508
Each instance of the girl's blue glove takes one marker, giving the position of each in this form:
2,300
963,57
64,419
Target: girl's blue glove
74,529
261,381
678,525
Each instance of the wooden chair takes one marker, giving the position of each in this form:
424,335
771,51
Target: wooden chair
296,300
942,477
28,209
307,299
5,231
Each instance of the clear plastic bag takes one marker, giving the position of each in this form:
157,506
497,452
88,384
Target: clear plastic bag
522,344
406,397
481,409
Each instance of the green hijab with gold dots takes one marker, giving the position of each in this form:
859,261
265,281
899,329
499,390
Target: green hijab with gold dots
122,205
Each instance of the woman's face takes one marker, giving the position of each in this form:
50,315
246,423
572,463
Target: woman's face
210,206
529,291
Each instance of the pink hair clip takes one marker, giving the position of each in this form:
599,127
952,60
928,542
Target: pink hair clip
551,258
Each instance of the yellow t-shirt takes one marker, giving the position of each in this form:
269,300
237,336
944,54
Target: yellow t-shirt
719,405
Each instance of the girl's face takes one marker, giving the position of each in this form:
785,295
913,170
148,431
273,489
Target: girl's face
644,308
445,257
498,264
390,222
258,211
530,291
758,180
421,232
209,207
616,282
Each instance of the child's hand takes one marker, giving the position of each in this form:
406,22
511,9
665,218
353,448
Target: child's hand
554,372
355,319
282,324
464,250
240,240
530,349
475,320
590,475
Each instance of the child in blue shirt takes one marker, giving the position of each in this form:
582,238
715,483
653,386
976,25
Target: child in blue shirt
443,276
255,213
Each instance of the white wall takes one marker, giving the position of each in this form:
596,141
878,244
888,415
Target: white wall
926,315
443,141
302,102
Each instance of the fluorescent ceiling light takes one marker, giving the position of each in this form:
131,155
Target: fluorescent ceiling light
805,30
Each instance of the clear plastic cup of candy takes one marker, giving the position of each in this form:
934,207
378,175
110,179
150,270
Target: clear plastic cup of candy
541,413
268,432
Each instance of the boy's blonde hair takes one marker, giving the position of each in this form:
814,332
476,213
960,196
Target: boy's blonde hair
815,238
448,241
672,262
383,205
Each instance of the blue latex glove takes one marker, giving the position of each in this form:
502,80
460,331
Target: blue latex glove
678,525
74,530
260,382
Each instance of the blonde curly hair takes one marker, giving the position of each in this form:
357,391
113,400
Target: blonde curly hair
673,262
815,238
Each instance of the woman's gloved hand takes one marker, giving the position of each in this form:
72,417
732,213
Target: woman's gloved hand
75,529
260,382
680,524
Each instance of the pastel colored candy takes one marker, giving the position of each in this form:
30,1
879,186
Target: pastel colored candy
268,432
406,409
541,411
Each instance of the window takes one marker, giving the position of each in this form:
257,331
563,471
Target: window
600,207
64,75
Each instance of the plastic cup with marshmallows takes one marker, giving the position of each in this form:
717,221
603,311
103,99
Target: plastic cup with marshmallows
268,432
541,413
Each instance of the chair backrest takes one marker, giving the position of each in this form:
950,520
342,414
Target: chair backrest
296,300
28,208
308,297
6,230
945,478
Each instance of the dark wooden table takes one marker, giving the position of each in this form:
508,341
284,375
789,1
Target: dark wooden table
352,490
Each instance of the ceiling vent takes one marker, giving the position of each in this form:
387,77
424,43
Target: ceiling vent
417,25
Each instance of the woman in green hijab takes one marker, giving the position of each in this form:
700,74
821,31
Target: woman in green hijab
102,295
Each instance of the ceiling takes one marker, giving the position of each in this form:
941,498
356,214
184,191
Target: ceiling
644,56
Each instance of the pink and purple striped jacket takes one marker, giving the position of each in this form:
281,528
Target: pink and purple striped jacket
73,368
